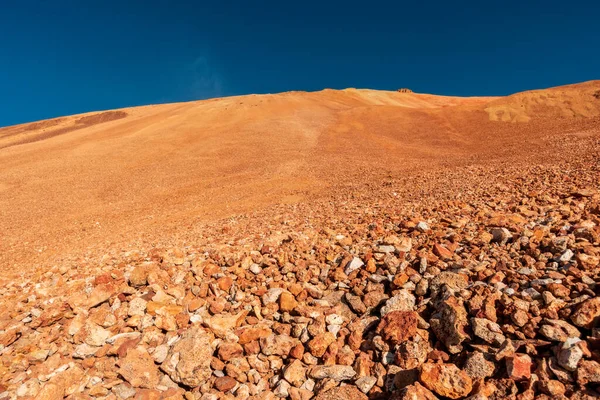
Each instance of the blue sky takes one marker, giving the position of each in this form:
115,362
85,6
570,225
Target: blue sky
65,57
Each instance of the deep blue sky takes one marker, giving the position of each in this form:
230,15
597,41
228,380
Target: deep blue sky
64,57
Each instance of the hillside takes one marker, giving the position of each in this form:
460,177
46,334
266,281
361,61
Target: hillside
337,244
74,182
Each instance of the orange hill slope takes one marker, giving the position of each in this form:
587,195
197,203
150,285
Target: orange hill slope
571,101
76,183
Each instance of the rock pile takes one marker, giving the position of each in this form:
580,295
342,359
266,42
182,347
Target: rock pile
495,298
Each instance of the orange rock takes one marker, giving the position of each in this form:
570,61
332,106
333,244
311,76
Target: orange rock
225,283
211,269
287,302
446,380
442,252
154,308
319,344
196,304
250,334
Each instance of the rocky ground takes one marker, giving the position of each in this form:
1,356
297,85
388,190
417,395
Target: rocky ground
390,246
484,285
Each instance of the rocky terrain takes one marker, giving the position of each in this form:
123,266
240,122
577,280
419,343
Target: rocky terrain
469,274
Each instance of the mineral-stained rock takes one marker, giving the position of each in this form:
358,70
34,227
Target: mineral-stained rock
414,392
558,330
295,373
587,314
342,393
449,322
553,387
413,353
588,371
64,382
188,361
225,383
99,295
478,367
487,330
335,372
270,296
319,344
366,383
221,324
227,351
442,252
398,326
518,367
138,369
403,301
279,345
356,303
446,380
287,302
250,334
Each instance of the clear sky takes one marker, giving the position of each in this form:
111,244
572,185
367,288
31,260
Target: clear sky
64,57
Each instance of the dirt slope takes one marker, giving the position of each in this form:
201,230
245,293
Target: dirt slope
79,183
349,244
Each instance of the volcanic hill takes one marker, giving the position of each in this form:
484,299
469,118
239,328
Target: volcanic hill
339,244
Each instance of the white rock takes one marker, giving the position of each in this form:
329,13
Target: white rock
334,319
421,227
403,301
128,335
353,265
271,296
282,389
366,383
569,354
255,269
566,256
137,306
160,353
97,335
84,350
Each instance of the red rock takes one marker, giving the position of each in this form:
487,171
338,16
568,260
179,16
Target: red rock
398,326
518,366
227,351
9,337
297,351
225,383
126,346
101,279
147,394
